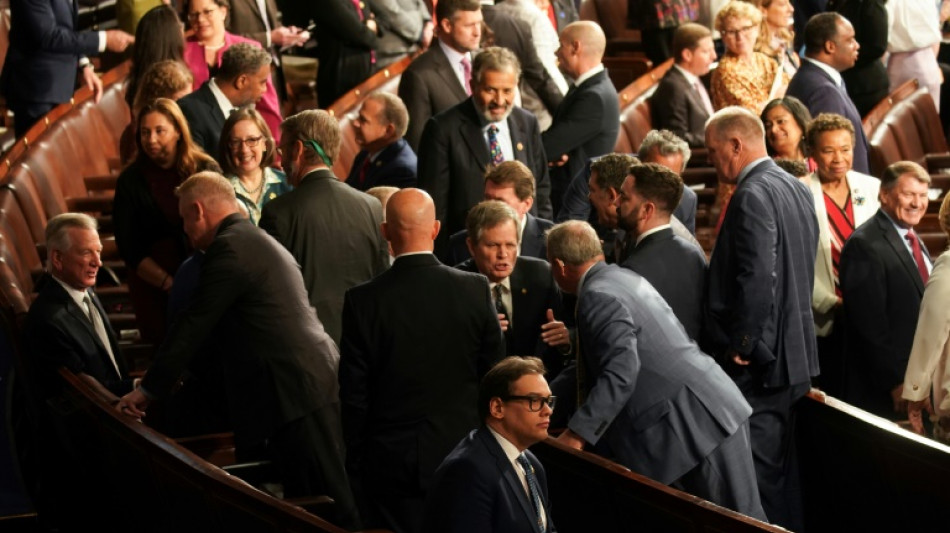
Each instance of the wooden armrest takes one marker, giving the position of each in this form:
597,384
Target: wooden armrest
322,506
936,163
90,204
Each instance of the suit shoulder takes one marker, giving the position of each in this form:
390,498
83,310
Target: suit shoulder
534,265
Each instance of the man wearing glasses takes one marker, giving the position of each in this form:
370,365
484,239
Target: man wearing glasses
491,482
648,396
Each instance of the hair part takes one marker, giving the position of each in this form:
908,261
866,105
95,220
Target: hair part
513,174
610,170
574,242
487,215
497,382
895,171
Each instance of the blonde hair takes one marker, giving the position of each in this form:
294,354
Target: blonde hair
739,10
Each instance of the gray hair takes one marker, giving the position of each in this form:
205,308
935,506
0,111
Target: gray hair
242,58
666,143
318,126
738,121
495,58
575,242
394,111
57,231
488,214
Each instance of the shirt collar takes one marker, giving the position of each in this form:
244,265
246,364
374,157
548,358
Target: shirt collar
506,283
452,54
748,168
511,451
651,231
690,77
77,295
835,75
223,102
588,75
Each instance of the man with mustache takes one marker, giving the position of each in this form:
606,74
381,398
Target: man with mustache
461,143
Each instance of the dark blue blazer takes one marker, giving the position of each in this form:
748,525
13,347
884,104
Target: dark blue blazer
205,119
761,278
477,490
42,60
395,166
815,88
533,241
677,270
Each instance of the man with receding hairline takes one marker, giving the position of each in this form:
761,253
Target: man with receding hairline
385,158
416,340
759,321
281,370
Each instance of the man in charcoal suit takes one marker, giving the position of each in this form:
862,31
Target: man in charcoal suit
416,340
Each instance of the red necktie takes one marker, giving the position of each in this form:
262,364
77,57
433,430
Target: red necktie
363,168
918,255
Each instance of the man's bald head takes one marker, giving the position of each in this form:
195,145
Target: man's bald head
734,138
739,122
582,46
410,224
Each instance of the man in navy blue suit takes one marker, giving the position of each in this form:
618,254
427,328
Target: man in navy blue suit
385,158
759,321
830,47
45,51
491,482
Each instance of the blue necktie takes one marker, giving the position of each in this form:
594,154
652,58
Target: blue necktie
533,490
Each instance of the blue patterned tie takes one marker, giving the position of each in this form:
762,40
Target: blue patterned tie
494,146
533,490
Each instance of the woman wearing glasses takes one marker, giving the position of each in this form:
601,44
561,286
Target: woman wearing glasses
203,51
744,77
246,153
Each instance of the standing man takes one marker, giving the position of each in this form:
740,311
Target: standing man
510,182
45,50
385,158
281,365
416,340
647,395
515,405
830,47
674,266
331,229
462,143
440,78
585,124
405,26
681,103
759,321
884,268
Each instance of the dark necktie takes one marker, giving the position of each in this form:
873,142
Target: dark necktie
100,328
494,146
918,255
500,307
534,492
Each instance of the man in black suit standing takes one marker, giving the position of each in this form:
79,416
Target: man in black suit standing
681,103
759,321
461,143
884,267
585,124
241,80
281,370
512,183
674,266
385,158
515,405
830,47
527,301
331,229
440,78
416,340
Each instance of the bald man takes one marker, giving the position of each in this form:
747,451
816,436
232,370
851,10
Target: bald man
586,123
416,341
759,321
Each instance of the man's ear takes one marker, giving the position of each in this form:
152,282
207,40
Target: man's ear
496,408
435,228
240,82
56,259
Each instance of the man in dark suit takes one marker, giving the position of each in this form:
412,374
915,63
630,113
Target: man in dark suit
331,229
439,78
675,267
461,143
510,182
416,341
648,395
347,36
882,284
45,50
281,370
681,103
830,48
515,404
385,158
521,287
241,80
759,321
585,124
67,325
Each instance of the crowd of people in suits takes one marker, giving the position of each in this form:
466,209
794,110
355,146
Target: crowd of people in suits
398,338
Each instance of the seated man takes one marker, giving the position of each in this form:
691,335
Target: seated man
241,80
515,403
67,325
385,158
522,287
510,182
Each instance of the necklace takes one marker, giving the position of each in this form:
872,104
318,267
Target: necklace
257,191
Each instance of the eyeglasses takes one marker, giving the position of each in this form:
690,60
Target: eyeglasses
735,33
250,142
535,403
198,14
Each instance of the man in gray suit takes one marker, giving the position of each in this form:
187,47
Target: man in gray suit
758,298
331,229
648,395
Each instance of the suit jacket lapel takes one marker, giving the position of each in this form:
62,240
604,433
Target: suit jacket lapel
892,237
447,72
518,140
471,131
529,236
511,477
691,93
82,322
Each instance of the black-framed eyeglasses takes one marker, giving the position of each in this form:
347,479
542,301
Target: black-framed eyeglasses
194,16
535,403
250,142
740,31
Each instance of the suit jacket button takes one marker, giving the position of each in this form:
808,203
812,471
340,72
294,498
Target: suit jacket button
916,387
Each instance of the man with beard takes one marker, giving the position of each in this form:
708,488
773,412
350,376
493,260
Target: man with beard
461,143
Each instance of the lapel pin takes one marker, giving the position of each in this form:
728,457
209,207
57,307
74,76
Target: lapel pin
520,147
524,291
